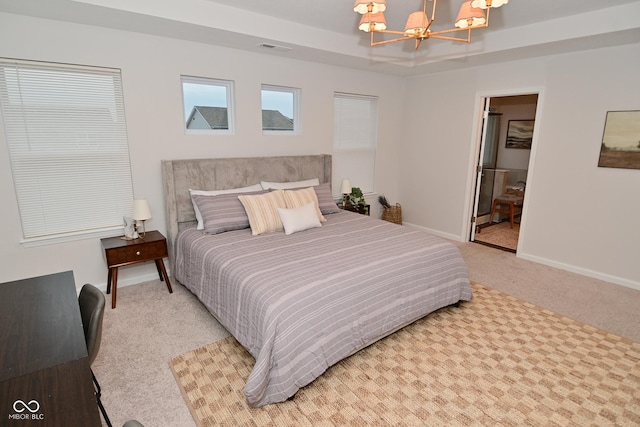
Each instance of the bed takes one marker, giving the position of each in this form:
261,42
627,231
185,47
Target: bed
301,302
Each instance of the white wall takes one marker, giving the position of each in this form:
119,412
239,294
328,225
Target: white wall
577,216
513,158
151,69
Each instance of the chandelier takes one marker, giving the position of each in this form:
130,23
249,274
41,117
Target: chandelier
471,16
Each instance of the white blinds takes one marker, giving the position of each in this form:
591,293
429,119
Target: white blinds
67,139
355,140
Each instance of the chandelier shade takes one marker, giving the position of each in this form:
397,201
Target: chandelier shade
417,23
373,22
471,16
486,4
362,6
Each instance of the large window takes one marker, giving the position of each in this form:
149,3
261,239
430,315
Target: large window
67,140
355,140
208,105
280,109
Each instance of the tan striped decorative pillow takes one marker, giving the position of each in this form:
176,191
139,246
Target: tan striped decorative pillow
262,211
298,198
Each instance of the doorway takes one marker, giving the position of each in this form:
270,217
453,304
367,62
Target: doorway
502,168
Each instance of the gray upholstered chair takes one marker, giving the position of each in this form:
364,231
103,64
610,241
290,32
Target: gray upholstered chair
92,303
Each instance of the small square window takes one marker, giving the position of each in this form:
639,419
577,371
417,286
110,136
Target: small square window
208,105
280,110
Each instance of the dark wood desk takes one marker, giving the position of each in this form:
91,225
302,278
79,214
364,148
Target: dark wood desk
45,377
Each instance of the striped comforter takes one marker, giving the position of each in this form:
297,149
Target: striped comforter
301,303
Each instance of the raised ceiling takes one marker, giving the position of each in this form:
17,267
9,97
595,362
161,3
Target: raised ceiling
327,31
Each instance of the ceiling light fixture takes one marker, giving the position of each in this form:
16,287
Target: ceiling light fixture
471,17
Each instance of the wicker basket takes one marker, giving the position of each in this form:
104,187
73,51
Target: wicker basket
393,214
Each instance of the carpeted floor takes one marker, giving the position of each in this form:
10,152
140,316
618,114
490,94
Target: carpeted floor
496,360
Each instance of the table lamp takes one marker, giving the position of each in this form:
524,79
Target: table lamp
345,189
141,212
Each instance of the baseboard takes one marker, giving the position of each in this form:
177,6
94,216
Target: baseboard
434,232
134,280
582,271
545,261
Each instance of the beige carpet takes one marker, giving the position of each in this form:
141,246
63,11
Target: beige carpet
496,360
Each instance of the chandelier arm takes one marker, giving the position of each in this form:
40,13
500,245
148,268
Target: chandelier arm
455,30
383,42
433,11
454,39
402,33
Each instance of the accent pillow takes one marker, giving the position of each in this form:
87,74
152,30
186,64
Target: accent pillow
326,203
297,198
299,219
222,213
262,211
266,185
254,187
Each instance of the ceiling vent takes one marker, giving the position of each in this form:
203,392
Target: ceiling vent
274,47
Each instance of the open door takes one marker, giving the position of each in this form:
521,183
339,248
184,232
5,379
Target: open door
501,169
480,167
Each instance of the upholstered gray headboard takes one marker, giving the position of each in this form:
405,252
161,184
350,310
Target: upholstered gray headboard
178,176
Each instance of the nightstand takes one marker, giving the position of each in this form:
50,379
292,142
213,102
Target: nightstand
363,210
120,252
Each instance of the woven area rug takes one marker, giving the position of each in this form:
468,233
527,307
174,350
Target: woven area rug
495,360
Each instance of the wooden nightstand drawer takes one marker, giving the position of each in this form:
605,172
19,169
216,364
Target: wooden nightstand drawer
136,253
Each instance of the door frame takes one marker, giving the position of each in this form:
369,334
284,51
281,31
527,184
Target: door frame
475,152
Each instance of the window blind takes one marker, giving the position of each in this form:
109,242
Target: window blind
67,139
355,140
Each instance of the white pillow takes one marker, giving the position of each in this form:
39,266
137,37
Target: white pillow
254,187
299,219
297,198
266,185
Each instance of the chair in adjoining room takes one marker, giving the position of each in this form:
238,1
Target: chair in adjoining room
92,302
506,203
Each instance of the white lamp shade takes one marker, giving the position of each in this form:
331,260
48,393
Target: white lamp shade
470,16
485,4
373,20
362,6
416,23
346,186
141,210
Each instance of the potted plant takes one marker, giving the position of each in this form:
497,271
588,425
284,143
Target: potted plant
356,198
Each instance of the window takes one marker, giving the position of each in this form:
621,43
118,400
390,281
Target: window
208,105
355,140
67,141
280,109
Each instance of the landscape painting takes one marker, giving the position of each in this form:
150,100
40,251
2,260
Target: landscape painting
519,134
621,140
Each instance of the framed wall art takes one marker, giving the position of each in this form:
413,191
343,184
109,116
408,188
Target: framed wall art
621,140
519,134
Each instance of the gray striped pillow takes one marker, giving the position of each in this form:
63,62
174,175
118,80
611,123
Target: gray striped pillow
325,199
223,212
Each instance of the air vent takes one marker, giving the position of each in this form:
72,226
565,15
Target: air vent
274,47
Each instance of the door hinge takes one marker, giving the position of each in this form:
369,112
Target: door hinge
473,219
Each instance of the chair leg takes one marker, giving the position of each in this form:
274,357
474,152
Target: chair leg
98,395
104,412
97,384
